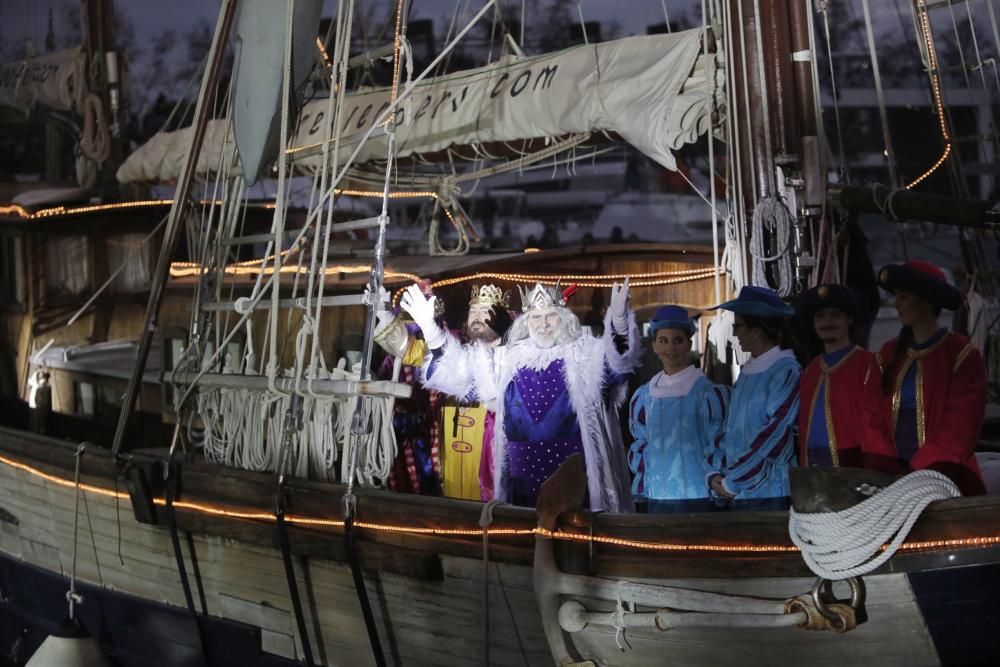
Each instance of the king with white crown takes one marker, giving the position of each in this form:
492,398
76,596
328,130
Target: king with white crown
539,297
554,391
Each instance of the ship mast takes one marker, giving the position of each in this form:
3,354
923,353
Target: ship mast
776,126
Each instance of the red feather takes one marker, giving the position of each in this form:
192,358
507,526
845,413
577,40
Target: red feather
568,292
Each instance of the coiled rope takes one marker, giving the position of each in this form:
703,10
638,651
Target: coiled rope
840,545
772,216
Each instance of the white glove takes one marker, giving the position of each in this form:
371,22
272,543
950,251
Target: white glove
421,309
618,307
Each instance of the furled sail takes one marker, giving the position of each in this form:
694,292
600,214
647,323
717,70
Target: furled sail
654,91
54,81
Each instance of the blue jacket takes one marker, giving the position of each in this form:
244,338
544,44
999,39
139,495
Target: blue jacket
674,432
758,446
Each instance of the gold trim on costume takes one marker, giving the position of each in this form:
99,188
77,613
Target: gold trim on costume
825,384
812,411
962,355
911,356
897,395
827,413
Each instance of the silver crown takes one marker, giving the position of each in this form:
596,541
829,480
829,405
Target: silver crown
540,297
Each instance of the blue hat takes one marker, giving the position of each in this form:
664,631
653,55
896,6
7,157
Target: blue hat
671,317
757,302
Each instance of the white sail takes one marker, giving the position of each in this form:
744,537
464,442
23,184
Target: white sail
654,91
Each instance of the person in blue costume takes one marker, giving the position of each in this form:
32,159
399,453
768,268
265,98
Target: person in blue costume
675,419
750,464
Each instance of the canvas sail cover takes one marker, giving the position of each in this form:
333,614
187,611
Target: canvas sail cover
53,81
654,91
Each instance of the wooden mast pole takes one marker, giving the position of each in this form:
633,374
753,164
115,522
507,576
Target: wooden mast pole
175,221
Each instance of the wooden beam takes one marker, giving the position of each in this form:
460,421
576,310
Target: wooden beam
909,206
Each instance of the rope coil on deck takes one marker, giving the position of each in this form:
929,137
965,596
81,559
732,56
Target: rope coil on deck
840,545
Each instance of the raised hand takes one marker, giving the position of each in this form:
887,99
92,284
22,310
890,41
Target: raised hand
499,320
618,306
421,309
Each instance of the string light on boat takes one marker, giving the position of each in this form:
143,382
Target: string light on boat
474,531
56,211
395,62
322,52
252,268
935,76
587,280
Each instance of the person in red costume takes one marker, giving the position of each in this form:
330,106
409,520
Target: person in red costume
933,380
839,391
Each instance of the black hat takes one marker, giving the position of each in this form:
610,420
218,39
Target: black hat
922,279
840,297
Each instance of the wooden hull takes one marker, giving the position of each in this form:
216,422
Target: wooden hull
426,589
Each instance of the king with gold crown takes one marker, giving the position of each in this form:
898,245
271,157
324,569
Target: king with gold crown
462,434
555,390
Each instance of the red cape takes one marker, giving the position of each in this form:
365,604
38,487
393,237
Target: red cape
951,403
851,403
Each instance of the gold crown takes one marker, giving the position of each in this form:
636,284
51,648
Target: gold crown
489,295
540,297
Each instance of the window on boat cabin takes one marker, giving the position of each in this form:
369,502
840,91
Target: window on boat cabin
130,253
83,393
11,271
97,401
67,265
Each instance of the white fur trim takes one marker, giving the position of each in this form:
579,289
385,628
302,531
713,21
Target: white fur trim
626,362
451,373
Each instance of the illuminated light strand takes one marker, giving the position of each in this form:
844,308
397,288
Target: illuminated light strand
322,51
935,76
230,512
63,210
15,208
395,63
189,269
553,279
56,211
97,490
401,194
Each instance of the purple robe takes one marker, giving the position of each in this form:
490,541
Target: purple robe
541,429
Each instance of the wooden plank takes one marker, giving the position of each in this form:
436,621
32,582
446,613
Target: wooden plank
416,555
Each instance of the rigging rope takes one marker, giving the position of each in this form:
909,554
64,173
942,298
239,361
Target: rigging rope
840,545
772,216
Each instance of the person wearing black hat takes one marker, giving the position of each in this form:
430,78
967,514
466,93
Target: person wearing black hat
750,463
675,418
933,380
839,390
